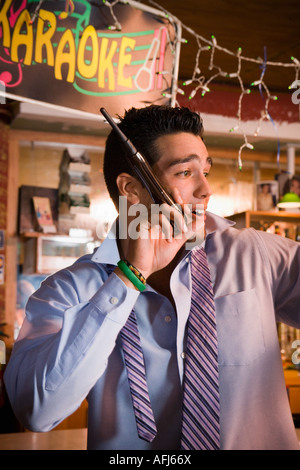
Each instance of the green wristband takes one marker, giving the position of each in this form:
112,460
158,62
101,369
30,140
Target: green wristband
131,276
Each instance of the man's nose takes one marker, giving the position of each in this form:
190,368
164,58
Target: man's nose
203,189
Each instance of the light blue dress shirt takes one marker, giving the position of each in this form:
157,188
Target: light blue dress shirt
69,346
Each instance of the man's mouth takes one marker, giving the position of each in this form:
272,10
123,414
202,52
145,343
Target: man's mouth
198,212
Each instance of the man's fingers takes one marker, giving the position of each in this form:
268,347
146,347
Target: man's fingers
174,216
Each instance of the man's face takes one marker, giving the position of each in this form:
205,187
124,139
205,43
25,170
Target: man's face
184,164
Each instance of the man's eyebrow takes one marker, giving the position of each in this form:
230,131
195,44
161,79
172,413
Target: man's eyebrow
187,159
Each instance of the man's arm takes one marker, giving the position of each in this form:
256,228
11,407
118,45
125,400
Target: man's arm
71,328
63,348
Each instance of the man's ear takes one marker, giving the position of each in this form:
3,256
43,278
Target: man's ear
130,187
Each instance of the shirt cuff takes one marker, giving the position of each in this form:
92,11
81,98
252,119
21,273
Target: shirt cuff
114,299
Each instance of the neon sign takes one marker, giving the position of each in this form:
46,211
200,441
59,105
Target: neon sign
67,56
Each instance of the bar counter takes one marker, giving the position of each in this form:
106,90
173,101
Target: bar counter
69,439
66,439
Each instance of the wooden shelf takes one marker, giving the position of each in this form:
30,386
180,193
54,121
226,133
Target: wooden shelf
36,234
280,216
50,235
246,219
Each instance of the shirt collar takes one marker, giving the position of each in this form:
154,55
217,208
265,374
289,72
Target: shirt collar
108,251
216,223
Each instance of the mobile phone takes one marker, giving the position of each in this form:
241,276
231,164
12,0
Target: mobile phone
141,167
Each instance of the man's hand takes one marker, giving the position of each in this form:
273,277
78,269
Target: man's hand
158,242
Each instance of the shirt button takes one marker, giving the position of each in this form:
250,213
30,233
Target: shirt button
113,300
187,259
182,355
168,318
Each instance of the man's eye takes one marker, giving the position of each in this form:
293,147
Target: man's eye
184,173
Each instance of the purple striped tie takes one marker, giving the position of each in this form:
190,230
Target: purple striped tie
134,361
201,408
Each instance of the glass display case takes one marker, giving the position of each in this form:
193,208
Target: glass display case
45,254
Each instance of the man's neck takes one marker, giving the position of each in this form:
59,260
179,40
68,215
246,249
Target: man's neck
160,280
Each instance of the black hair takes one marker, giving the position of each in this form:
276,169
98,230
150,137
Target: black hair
143,127
287,184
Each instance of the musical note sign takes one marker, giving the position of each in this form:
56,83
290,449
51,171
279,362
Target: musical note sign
69,8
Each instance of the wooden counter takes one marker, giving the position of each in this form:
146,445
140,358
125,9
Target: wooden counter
76,439
68,439
292,380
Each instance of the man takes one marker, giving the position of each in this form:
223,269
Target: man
71,345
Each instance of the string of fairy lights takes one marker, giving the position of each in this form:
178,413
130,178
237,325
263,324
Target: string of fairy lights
200,83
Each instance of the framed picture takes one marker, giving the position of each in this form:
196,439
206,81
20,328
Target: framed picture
27,214
266,195
43,214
